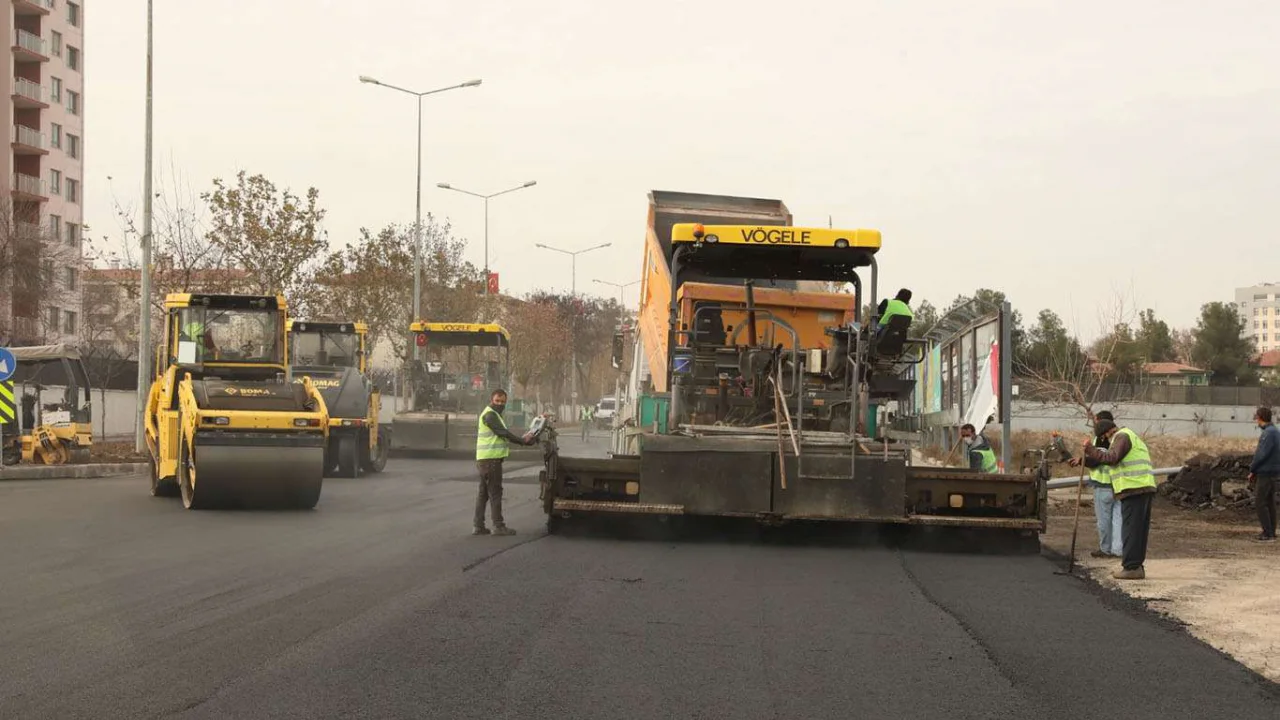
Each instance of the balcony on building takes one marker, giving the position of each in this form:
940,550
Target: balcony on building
29,94
29,47
32,7
28,141
29,187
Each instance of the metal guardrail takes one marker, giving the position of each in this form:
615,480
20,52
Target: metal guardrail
28,89
28,184
29,41
28,136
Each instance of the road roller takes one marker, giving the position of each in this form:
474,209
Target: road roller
226,426
335,356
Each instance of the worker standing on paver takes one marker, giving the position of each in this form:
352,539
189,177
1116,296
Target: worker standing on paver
1129,468
1264,473
1106,509
981,457
492,447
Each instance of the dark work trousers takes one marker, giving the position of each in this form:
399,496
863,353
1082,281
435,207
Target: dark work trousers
490,492
1265,500
1135,526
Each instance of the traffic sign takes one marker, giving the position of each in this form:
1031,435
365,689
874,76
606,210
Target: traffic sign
8,364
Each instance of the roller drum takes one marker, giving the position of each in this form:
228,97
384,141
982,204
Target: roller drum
254,477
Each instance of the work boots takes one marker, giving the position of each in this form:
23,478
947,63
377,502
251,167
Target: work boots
503,530
1135,574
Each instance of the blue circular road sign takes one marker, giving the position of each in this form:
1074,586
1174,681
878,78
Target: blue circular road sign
8,363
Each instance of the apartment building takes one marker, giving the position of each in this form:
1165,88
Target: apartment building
1259,305
42,187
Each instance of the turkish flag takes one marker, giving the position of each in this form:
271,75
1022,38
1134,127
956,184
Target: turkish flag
493,283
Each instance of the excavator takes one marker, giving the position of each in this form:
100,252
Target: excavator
755,385
225,425
336,358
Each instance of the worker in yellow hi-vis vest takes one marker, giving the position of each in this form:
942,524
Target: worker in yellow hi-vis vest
1128,464
493,441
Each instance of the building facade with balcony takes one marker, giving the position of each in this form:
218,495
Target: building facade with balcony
42,186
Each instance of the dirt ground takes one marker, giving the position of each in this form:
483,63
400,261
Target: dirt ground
1202,570
115,452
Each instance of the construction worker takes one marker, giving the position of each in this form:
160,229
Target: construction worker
586,422
1264,473
1128,463
492,447
1106,510
981,457
891,308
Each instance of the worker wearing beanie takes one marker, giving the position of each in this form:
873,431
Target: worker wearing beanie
1106,509
1128,462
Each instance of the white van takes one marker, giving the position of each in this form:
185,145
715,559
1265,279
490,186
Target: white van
605,411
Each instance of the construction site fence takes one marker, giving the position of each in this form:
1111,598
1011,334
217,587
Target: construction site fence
1168,394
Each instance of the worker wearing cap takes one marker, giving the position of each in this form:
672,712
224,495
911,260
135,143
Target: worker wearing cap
1128,463
981,457
1106,509
492,447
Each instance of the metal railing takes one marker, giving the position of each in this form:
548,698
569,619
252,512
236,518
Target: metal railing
28,89
29,41
29,184
28,230
28,136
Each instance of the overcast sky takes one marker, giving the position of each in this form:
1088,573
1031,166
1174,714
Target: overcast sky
1059,151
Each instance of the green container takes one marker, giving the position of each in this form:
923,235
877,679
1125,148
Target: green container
654,407
871,419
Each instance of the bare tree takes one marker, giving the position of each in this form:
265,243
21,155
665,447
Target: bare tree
39,273
1071,379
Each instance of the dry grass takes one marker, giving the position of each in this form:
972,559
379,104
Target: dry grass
1166,450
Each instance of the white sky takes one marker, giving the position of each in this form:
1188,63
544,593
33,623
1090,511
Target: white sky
1060,151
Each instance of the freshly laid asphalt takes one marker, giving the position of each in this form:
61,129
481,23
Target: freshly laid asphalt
378,604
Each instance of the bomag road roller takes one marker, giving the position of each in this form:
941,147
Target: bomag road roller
225,424
753,389
462,363
335,356
44,432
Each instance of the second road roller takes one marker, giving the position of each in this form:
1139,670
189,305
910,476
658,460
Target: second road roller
226,426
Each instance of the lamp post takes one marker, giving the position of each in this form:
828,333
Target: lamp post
622,298
447,186
573,280
144,297
417,216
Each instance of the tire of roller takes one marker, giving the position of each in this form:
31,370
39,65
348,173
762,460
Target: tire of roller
167,488
254,478
374,460
348,455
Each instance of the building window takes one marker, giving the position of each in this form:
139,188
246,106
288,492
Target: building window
73,14
70,277
69,324
73,57
73,146
55,182
73,234
55,316
73,102
55,135
1257,311
73,190
55,89
55,40
55,227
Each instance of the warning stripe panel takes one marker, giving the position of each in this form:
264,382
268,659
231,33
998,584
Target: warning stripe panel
6,401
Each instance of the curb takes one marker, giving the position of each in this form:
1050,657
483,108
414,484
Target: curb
63,472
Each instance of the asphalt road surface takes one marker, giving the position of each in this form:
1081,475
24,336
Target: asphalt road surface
379,604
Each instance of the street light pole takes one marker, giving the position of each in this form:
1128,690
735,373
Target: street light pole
486,198
622,298
144,299
417,217
573,282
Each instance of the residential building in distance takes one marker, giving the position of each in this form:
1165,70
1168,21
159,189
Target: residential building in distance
1259,306
42,185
